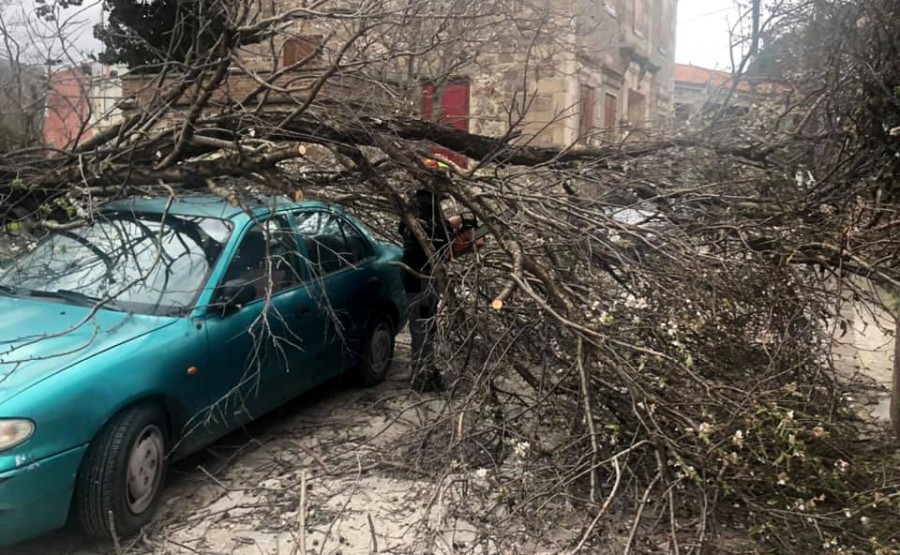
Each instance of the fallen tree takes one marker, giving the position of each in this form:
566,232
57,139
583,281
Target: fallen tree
649,329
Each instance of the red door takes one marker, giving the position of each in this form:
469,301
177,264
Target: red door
453,111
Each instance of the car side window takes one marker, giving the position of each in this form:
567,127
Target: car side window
358,246
328,245
267,254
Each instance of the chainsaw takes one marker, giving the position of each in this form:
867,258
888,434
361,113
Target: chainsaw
470,223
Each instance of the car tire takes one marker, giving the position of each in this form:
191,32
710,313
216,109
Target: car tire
377,352
121,479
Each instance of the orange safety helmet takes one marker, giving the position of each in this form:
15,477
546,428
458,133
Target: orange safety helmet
435,164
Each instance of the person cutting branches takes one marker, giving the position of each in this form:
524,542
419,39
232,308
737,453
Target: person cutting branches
451,238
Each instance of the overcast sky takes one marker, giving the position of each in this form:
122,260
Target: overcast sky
702,37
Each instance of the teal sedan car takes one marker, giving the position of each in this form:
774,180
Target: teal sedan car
164,324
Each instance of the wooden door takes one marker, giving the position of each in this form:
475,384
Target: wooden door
453,110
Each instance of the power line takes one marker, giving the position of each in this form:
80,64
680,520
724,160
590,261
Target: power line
717,12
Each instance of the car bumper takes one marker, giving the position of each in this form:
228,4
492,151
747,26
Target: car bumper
35,499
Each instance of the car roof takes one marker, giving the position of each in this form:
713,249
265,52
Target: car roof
206,206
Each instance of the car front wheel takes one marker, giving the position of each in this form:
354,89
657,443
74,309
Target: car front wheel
120,481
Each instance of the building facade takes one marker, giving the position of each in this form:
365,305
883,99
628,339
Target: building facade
618,79
81,101
556,72
594,71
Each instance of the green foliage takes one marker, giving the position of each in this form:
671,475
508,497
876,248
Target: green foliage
20,184
10,138
144,35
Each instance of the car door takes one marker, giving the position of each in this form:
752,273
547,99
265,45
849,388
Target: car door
342,282
258,350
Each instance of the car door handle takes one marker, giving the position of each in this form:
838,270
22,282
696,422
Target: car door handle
302,311
373,281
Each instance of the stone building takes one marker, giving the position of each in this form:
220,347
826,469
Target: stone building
561,72
571,71
618,77
698,89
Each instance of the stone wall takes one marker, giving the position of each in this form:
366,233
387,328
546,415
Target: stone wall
237,87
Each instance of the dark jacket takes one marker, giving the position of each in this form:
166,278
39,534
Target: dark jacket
427,210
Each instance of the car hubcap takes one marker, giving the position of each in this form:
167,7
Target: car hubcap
380,351
145,467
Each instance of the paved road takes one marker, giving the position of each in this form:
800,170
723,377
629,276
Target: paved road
242,495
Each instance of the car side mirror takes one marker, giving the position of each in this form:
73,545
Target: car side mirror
235,293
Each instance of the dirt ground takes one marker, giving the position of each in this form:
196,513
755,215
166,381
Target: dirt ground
242,496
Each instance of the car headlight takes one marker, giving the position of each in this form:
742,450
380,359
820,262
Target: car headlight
14,432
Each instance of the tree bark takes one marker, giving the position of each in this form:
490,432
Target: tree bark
895,392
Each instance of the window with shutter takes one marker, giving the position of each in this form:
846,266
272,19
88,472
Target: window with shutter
665,26
586,119
298,49
640,17
610,112
637,109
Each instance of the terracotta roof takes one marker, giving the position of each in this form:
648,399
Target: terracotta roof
702,76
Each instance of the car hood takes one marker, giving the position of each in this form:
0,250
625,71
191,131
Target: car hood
39,339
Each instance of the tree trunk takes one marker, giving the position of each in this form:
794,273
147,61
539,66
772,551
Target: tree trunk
895,392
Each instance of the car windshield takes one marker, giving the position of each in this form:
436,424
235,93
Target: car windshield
142,263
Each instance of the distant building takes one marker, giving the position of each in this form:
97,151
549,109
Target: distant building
698,90
81,101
